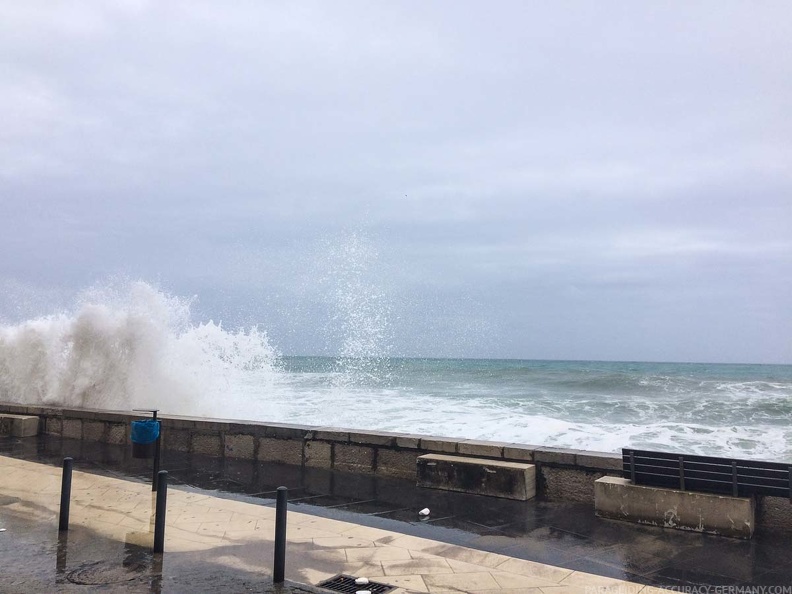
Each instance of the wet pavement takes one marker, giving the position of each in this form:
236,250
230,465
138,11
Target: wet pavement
565,535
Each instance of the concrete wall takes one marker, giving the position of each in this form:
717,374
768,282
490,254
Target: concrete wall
561,474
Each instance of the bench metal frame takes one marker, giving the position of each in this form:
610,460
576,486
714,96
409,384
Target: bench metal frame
738,478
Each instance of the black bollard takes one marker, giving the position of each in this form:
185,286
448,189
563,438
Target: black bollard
66,481
278,574
159,518
154,479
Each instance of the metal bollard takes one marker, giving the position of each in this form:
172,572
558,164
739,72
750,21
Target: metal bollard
159,518
279,572
66,481
157,450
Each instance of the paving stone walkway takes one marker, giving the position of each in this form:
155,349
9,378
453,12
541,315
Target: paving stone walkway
212,542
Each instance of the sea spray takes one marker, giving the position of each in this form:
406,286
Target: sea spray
127,345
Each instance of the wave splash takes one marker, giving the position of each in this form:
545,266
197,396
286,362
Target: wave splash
127,346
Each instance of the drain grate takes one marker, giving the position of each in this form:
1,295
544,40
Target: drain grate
346,584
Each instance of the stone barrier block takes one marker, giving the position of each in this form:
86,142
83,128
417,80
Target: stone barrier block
408,441
474,447
208,445
287,431
318,454
439,444
331,434
353,458
117,433
19,425
397,464
495,478
239,446
556,455
72,428
379,438
54,426
178,440
519,451
283,451
618,499
599,460
568,484
93,430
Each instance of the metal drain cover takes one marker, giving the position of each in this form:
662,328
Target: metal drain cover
100,573
346,584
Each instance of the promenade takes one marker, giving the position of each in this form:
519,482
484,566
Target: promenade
215,543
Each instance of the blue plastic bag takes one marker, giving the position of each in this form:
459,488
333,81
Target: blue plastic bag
145,431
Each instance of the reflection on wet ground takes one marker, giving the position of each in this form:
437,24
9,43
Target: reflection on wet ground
562,534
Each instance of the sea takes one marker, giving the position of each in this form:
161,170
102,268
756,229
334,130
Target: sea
145,351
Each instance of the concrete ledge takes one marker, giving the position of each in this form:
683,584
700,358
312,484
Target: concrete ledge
495,478
19,425
618,499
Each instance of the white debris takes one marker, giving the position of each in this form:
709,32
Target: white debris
363,592
424,512
361,581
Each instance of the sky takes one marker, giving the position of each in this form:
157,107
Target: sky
566,180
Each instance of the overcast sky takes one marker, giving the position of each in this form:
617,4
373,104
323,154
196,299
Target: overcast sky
562,180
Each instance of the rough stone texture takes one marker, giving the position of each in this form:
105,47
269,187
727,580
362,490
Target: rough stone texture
618,499
519,451
54,426
438,444
599,460
210,445
398,464
117,433
284,451
474,447
495,478
93,430
72,428
18,425
318,454
774,513
239,446
286,431
567,484
178,440
556,455
352,458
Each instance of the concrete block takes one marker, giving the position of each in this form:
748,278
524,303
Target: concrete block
567,484
396,463
353,458
54,426
283,451
318,454
178,440
408,441
487,449
599,460
93,430
287,431
618,499
495,478
19,425
240,446
117,434
378,438
72,428
209,445
331,434
774,514
519,451
439,444
556,456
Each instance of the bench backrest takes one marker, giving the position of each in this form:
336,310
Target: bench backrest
739,478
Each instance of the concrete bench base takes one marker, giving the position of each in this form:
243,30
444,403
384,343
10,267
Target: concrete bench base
618,499
496,478
18,425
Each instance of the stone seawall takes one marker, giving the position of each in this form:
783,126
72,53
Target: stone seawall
561,474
